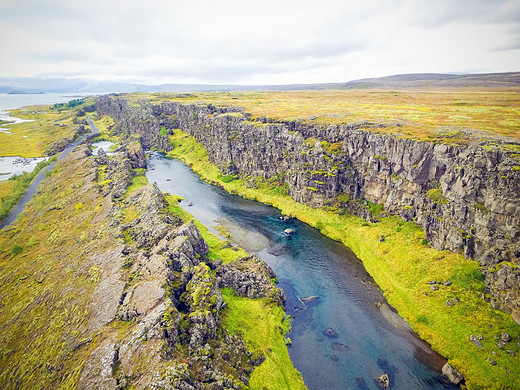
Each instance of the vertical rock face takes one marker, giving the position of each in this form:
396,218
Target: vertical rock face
466,198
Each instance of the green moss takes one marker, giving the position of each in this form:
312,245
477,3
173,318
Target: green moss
332,148
226,178
259,322
137,182
482,208
375,209
343,198
16,249
435,194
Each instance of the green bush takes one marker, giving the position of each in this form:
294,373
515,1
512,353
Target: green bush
16,249
435,194
226,178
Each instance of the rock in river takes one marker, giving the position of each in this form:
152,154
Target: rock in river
385,381
329,332
310,299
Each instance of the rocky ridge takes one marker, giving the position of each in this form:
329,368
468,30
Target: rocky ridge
153,301
465,197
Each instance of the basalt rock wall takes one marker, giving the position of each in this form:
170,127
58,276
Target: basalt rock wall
465,197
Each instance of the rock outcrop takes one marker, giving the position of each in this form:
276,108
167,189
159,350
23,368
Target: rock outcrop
465,197
250,278
163,287
452,374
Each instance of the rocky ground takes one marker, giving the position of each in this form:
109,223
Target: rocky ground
149,299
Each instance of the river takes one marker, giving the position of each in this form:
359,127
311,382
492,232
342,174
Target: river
371,338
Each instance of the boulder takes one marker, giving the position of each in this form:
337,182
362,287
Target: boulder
102,157
385,381
452,374
330,332
475,341
250,277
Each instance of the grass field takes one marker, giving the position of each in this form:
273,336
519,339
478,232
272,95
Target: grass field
46,285
402,267
31,139
449,116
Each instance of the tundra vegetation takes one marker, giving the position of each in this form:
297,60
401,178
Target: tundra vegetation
447,116
46,284
44,125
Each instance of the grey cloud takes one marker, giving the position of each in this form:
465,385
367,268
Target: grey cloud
234,40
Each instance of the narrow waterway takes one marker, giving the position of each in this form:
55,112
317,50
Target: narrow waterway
365,337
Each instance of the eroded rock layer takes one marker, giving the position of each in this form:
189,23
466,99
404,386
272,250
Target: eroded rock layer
465,197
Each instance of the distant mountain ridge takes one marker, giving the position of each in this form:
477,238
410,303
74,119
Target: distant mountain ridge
401,81
438,80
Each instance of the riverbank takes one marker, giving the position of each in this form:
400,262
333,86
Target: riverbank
418,280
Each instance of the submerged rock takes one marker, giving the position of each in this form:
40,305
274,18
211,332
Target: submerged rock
385,381
329,332
339,347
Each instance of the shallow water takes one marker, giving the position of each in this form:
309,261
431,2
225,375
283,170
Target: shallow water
9,102
10,166
371,339
105,145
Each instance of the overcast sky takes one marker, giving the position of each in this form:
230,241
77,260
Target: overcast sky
262,42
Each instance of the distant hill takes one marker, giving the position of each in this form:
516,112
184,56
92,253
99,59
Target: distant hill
403,81
436,80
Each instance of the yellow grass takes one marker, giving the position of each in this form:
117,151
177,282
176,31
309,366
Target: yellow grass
427,115
6,187
31,139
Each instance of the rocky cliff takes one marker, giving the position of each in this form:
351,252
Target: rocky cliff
161,283
465,197
107,289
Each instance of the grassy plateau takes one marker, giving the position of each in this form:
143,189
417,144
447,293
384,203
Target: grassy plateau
449,116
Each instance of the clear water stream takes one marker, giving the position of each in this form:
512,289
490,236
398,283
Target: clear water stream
371,339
